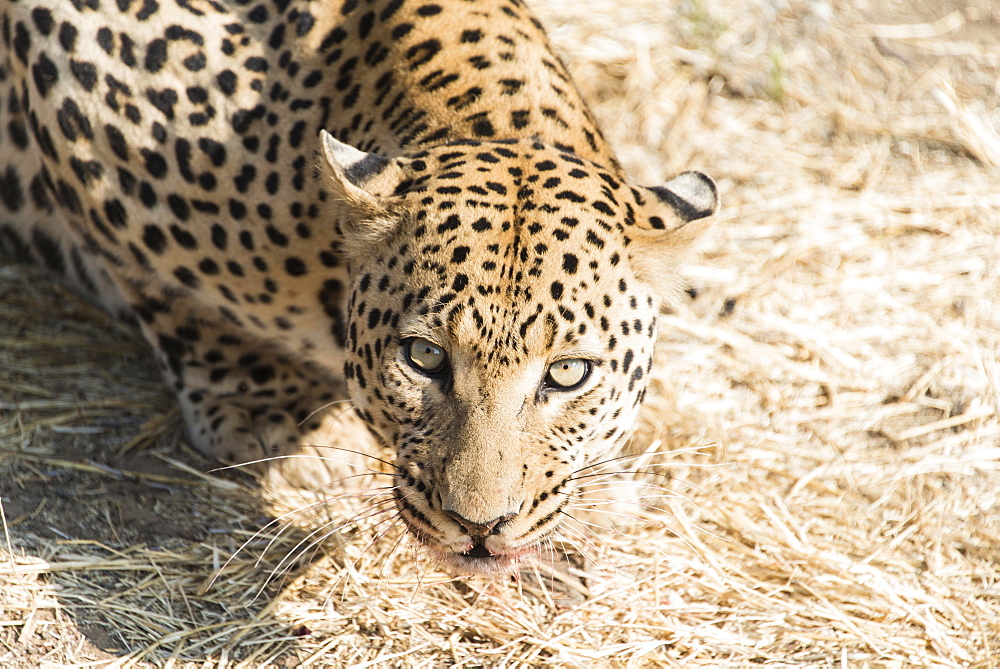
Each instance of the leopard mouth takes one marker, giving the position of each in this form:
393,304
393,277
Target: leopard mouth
477,560
480,561
478,552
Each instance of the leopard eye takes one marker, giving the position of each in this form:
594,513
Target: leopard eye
567,374
425,355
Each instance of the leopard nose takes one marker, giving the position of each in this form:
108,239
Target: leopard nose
479,529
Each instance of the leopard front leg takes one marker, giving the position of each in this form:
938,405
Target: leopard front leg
244,400
295,431
225,430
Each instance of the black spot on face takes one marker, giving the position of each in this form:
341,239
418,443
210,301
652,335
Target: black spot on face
156,55
67,36
43,20
220,238
195,62
208,266
11,193
45,74
155,163
295,266
154,239
227,81
116,140
164,100
49,249
187,277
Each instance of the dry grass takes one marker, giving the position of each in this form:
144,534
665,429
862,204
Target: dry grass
827,404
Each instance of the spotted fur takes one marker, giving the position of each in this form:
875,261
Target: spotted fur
166,156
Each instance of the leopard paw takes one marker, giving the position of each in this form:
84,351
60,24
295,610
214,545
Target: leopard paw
233,434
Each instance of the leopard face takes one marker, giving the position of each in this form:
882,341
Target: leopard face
502,320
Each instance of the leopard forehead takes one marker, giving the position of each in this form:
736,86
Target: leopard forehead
508,250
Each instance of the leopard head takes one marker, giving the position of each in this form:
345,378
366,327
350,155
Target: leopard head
501,322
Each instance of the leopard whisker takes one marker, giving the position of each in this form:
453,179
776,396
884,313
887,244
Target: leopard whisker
364,454
574,538
368,495
596,529
542,586
403,536
645,470
598,502
696,450
420,581
372,500
389,522
607,514
257,534
313,541
661,525
587,490
323,407
291,456
580,536
642,488
321,458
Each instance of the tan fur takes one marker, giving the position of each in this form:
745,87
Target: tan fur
168,158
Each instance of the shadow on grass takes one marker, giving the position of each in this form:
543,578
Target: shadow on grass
113,538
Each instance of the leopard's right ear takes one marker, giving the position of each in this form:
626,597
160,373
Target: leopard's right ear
362,180
671,219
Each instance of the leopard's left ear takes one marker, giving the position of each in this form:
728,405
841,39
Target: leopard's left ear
671,219
358,178
361,185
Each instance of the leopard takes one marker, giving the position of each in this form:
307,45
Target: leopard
399,206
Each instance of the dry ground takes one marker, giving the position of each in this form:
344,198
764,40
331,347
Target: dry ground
827,401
